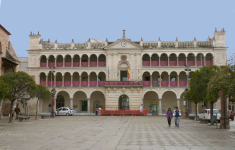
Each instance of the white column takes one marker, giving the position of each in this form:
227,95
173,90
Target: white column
88,106
178,103
71,103
160,107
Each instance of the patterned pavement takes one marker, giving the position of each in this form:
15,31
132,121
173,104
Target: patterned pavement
113,132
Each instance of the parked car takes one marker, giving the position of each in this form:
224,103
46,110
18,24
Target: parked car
205,114
230,114
64,111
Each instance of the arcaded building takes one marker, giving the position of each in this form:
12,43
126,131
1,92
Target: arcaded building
121,74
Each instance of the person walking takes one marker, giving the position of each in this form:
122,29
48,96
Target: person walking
17,110
177,114
169,116
12,112
141,108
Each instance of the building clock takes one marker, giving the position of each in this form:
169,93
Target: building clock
123,44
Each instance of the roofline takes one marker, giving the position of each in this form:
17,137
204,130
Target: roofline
5,30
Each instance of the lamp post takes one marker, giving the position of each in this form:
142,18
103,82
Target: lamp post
187,102
53,92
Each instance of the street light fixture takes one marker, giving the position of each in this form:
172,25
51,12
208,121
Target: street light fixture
53,92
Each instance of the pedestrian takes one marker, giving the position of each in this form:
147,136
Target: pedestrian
177,114
12,112
96,110
169,116
17,110
141,108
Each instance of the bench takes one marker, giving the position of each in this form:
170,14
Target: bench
23,118
45,116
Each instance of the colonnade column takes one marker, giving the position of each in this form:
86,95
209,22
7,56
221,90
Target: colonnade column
178,81
97,80
169,79
55,63
62,81
187,80
151,80
80,61
55,80
178,103
63,62
160,81
97,61
159,61
160,106
71,103
88,106
88,61
80,80
168,61
204,61
88,80
47,62
71,61
150,61
186,63
71,80
177,61
196,61
46,80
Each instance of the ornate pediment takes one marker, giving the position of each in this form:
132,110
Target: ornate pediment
124,43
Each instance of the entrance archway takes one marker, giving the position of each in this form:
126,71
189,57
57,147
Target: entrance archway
59,101
123,102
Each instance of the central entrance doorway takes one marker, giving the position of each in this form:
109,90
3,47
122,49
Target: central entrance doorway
124,75
124,102
59,101
84,105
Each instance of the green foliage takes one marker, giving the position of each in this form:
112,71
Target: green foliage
21,87
42,92
3,89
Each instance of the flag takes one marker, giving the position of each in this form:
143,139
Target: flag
128,73
118,73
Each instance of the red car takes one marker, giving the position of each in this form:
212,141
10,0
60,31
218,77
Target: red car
230,115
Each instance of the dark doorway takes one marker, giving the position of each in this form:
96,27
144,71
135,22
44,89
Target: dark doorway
124,75
124,102
84,105
59,101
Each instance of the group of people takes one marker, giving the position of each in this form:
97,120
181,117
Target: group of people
176,113
15,110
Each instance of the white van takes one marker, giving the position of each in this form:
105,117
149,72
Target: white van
205,114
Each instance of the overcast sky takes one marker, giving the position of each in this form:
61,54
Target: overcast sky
101,19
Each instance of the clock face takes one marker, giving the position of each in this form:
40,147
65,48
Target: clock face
123,44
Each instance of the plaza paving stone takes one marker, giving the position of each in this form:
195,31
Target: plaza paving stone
113,133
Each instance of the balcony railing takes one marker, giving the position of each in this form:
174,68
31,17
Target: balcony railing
191,63
75,83
164,63
123,83
67,83
43,64
102,63
59,64
76,64
173,63
93,83
154,63
93,64
84,64
182,63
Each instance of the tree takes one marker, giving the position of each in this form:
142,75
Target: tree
3,89
21,87
199,83
41,93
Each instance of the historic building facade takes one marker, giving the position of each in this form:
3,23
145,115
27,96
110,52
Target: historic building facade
122,74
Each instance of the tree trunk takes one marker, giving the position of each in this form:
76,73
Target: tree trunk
211,112
37,110
196,111
10,119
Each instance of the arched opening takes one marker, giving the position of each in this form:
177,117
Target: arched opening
75,79
173,60
173,79
123,102
97,100
43,79
51,61
80,102
67,79
182,59
209,59
62,100
102,60
191,59
76,61
101,78
156,79
146,60
59,61
93,79
155,60
43,61
164,60
146,79
182,79
191,105
168,101
67,61
84,60
50,79
58,79
59,101
93,60
165,80
200,59
151,102
84,81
